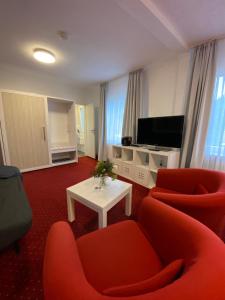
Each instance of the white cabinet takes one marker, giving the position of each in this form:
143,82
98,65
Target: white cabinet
127,170
144,176
141,165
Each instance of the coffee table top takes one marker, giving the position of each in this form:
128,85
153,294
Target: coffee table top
100,198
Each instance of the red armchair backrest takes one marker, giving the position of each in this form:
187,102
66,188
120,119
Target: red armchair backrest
174,234
208,208
186,179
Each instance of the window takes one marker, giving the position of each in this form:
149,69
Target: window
214,152
115,105
215,144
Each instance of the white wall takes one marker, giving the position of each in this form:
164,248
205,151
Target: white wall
15,78
164,86
91,94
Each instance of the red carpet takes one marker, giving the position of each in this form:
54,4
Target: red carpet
21,275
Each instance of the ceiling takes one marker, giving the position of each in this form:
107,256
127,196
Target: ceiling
196,21
106,38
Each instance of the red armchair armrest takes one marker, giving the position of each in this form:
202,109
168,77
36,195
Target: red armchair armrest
63,271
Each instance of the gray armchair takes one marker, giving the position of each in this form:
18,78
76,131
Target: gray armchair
15,211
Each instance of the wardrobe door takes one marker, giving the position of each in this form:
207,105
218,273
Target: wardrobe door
25,125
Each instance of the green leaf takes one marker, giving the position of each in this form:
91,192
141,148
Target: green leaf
104,168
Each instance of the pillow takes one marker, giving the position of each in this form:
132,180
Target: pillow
161,279
200,189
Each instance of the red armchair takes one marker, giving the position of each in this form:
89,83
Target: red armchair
199,193
123,253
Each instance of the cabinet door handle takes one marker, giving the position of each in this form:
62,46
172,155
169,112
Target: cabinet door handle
44,134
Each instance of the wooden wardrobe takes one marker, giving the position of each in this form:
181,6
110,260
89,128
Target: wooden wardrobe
25,126
25,137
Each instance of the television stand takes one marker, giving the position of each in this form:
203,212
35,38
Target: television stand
152,149
157,148
141,164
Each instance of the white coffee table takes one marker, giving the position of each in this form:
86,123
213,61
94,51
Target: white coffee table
100,200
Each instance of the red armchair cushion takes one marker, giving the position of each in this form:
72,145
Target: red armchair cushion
117,255
161,279
200,189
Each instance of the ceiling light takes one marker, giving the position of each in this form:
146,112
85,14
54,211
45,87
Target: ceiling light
44,56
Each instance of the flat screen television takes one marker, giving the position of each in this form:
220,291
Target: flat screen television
161,131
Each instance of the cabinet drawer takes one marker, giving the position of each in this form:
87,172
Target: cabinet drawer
116,168
127,170
142,176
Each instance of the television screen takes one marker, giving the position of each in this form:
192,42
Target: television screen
161,131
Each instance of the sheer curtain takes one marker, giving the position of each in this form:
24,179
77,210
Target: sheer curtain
214,152
115,105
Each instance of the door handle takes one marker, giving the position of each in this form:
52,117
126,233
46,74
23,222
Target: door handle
44,133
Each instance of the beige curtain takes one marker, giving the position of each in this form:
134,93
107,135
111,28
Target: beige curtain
200,92
102,123
132,107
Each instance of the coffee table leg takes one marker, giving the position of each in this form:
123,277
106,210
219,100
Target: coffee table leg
70,208
102,219
128,203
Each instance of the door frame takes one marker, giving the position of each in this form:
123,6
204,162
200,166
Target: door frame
94,130
85,138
